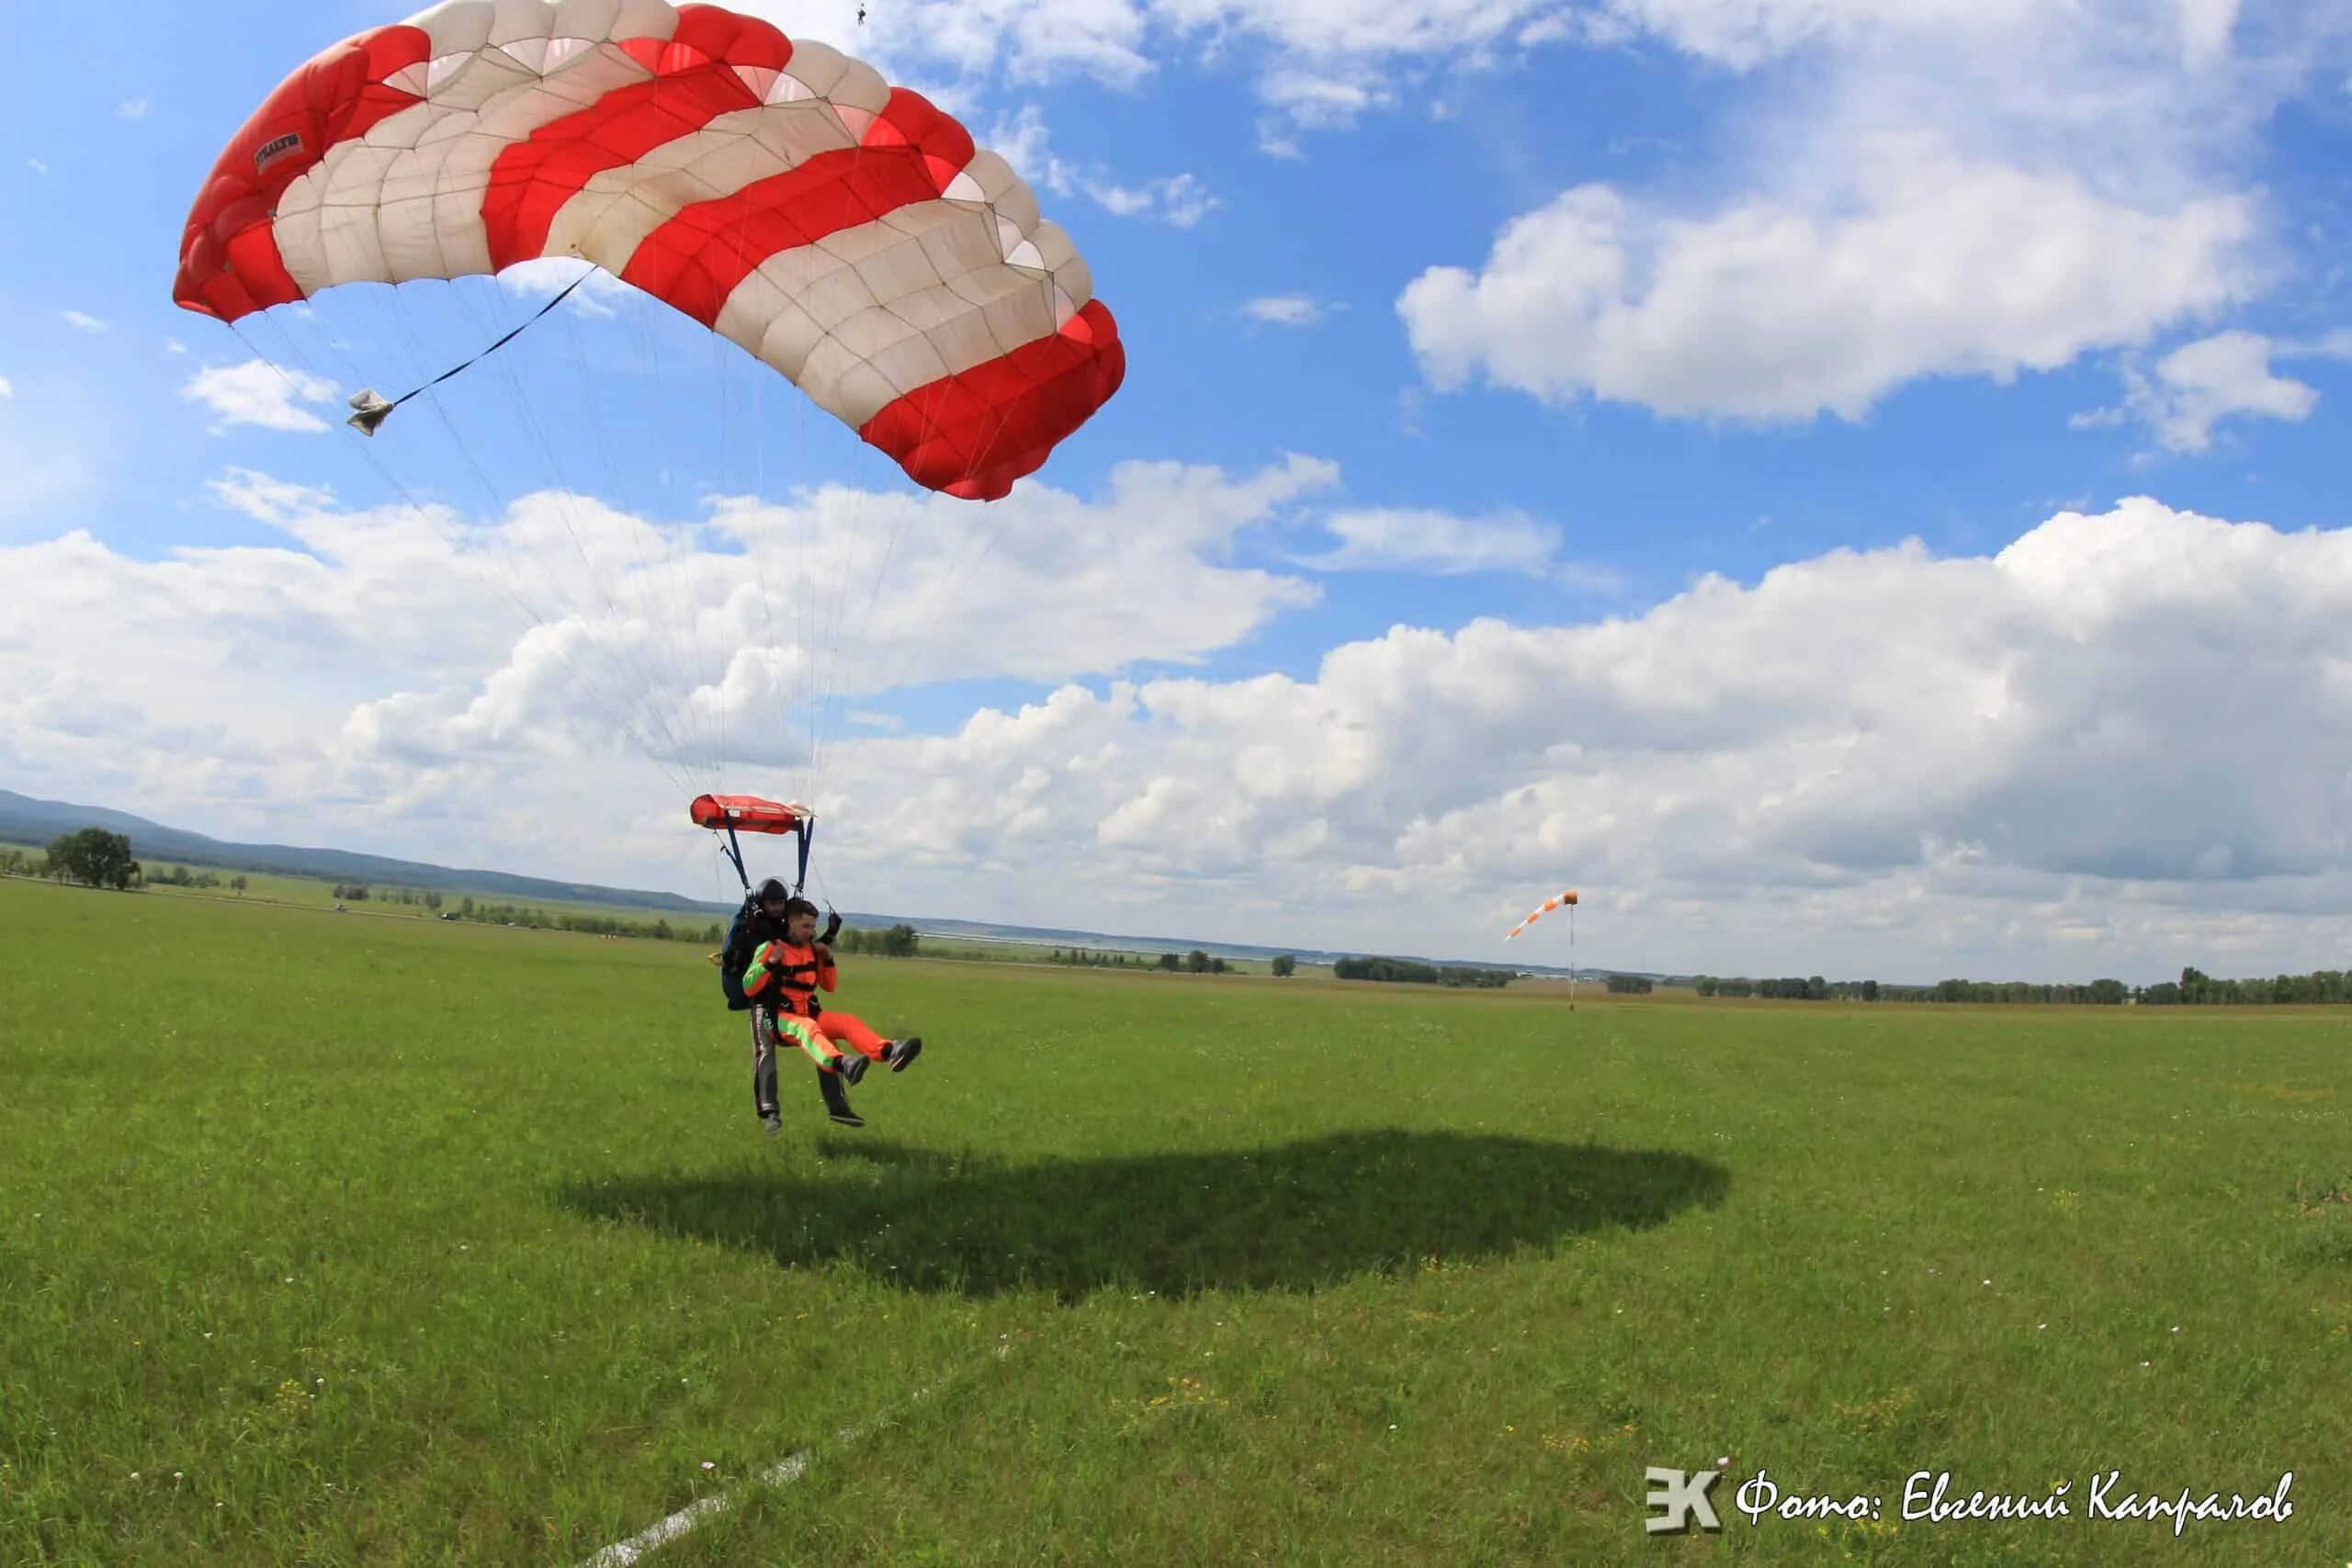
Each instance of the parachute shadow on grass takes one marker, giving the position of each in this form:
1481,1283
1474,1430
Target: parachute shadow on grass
1293,1216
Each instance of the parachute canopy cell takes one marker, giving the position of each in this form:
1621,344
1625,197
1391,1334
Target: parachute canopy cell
747,814
845,233
1566,899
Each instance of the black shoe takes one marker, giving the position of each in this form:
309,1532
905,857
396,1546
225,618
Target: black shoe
850,1067
773,1122
899,1053
837,1100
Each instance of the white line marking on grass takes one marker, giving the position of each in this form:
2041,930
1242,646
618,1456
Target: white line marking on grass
622,1553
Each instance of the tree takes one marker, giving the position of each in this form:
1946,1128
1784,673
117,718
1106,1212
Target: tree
1869,990
1170,963
237,885
1197,962
1285,966
95,858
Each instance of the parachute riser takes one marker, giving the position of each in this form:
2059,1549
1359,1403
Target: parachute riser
734,854
733,850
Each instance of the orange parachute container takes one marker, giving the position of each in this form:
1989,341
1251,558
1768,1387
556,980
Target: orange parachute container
733,814
747,814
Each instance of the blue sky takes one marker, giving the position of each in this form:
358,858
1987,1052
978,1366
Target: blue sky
1553,312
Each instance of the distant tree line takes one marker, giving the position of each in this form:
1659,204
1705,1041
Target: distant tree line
1086,958
1412,972
1630,984
893,941
2194,988
189,876
361,893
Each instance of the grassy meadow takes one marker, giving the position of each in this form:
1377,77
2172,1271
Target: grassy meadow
364,1241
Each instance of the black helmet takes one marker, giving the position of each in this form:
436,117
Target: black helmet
772,891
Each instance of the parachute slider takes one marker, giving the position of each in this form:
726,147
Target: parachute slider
373,410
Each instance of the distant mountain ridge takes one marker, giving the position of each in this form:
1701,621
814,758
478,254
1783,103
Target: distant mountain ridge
26,819
30,820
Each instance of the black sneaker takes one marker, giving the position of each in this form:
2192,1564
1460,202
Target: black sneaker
850,1065
837,1100
899,1053
773,1122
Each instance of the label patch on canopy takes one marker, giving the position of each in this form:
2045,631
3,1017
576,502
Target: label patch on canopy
271,151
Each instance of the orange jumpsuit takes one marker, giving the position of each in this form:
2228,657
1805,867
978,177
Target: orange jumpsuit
781,983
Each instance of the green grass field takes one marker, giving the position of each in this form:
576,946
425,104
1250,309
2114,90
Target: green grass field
341,1241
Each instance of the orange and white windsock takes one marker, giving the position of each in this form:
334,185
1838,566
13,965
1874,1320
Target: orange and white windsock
1549,905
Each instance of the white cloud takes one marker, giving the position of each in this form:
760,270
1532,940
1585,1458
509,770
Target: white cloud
132,108
82,319
395,650
7,389
1441,544
1285,310
36,165
1025,142
1873,763
599,294
174,345
2199,384
259,394
1940,267
2040,763
1318,62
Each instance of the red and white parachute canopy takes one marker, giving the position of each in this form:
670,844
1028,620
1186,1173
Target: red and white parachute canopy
845,231
1566,899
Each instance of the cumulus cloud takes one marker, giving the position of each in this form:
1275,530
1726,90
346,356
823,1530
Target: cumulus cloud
422,644
1879,762
2199,384
7,389
1898,192
1024,142
1765,312
1316,63
2063,758
82,320
259,394
599,293
132,108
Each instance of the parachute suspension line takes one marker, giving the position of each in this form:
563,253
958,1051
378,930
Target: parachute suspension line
860,465
660,650
680,548
619,712
802,528
729,645
966,560
913,628
630,654
835,667
757,524
635,681
374,411
392,483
